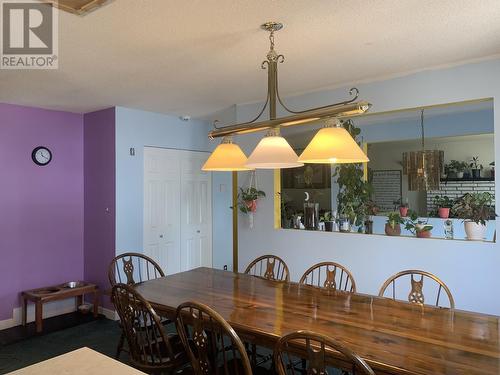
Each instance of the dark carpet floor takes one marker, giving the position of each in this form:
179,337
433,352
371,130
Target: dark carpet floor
101,335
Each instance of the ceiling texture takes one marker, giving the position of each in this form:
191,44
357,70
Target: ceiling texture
196,57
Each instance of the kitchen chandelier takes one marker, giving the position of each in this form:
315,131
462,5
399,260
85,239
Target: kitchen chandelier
332,144
423,167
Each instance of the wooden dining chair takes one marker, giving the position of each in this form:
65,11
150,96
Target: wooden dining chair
320,355
329,275
269,267
152,350
212,345
416,294
131,268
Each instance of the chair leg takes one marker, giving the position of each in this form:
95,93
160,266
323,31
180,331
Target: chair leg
120,346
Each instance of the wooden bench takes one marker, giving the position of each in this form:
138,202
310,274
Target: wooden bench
40,296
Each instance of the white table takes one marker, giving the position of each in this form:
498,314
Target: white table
83,361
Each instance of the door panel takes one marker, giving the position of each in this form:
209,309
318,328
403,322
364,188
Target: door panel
196,216
177,209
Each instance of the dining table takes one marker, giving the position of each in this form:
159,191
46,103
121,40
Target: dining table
393,337
83,361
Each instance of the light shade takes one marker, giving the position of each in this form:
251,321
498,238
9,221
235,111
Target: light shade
226,157
333,145
273,152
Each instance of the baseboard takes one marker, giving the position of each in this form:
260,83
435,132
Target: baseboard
108,313
49,310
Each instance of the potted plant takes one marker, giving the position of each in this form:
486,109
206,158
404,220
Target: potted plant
403,207
393,224
418,227
492,170
449,171
459,167
475,167
371,209
354,191
443,205
247,199
474,209
328,220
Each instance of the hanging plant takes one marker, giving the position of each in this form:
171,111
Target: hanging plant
247,199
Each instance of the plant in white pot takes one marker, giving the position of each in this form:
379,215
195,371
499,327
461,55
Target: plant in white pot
475,209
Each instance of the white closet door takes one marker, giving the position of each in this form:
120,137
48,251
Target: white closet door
177,209
196,212
162,207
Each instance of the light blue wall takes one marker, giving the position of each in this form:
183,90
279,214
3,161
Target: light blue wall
446,125
372,259
136,129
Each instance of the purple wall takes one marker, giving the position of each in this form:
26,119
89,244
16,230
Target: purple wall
41,208
99,171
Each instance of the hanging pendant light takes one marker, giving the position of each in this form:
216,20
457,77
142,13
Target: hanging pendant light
423,167
333,144
273,152
226,157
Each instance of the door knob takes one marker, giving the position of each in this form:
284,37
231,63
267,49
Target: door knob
161,235
197,231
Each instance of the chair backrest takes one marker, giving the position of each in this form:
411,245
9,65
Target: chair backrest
149,344
319,352
212,345
131,268
329,275
416,284
269,267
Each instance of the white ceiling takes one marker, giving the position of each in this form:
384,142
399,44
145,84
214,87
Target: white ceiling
199,56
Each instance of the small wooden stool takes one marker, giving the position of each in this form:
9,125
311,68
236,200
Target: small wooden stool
40,296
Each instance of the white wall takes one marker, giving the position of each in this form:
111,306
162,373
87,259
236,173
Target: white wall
469,268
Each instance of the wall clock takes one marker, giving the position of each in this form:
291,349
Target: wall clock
41,155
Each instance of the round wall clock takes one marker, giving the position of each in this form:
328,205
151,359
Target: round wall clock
41,155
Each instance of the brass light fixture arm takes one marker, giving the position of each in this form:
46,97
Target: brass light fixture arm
344,108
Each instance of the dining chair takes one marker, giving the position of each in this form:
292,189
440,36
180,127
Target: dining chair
329,275
269,267
212,345
320,354
416,294
151,348
131,268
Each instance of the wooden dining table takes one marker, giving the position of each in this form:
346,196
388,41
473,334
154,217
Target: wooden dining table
393,337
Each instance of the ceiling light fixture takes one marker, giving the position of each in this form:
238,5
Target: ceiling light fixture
345,108
333,144
227,156
273,152
423,167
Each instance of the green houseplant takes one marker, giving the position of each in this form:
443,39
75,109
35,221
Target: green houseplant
419,228
443,205
393,224
328,219
492,170
403,206
458,167
354,191
247,199
474,209
475,167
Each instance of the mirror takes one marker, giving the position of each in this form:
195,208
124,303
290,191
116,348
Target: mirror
459,154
